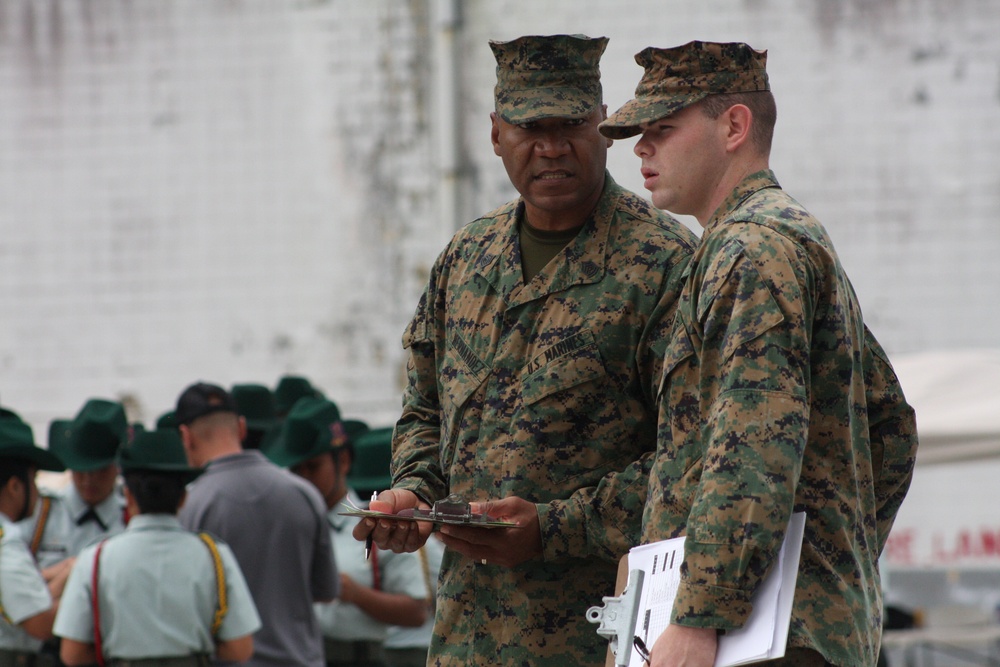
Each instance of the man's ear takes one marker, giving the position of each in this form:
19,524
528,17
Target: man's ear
495,132
604,116
739,121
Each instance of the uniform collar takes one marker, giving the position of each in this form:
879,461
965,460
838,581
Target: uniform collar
583,261
109,509
755,182
154,522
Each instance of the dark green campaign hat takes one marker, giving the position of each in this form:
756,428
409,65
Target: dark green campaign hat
18,443
354,429
310,429
372,453
95,435
548,76
680,76
9,414
156,451
255,403
59,432
167,420
290,389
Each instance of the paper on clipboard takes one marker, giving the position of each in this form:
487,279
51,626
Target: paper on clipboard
765,634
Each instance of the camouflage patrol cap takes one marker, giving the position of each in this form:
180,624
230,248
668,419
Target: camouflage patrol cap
680,76
548,76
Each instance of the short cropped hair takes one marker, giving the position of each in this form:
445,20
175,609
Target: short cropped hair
156,492
761,105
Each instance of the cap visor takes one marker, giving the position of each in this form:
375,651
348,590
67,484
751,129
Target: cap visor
628,121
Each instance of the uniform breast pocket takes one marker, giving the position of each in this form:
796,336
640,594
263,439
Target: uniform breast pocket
462,377
570,414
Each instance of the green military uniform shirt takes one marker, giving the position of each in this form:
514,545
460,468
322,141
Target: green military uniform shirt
777,399
546,391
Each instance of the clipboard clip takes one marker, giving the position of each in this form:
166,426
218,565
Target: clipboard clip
617,617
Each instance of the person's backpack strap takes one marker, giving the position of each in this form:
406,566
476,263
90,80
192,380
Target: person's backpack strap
222,606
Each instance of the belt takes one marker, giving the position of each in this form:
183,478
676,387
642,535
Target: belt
339,652
180,661
10,658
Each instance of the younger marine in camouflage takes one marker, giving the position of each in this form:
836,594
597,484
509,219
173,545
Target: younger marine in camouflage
776,398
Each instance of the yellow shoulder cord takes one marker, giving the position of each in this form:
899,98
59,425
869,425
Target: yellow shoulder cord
425,566
3,614
43,518
220,583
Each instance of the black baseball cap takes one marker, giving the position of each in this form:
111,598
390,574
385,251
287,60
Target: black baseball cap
201,399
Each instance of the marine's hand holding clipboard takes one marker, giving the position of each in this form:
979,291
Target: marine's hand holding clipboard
453,511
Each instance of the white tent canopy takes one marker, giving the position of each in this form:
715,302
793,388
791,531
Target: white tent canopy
956,395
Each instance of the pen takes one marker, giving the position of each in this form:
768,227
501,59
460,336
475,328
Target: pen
640,646
368,540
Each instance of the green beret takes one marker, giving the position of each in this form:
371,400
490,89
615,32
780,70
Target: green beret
548,76
678,77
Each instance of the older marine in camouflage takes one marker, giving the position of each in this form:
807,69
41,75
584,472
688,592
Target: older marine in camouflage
545,390
776,399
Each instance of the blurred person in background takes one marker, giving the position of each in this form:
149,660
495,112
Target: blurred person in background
156,594
274,522
385,588
92,507
406,646
28,603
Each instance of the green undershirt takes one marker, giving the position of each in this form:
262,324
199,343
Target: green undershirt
539,246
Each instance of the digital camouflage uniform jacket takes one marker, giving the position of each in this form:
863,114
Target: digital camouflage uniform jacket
544,391
777,399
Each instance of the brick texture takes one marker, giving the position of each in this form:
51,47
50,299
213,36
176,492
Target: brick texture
230,191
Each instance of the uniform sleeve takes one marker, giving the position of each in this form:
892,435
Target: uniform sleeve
605,520
23,592
892,427
325,581
241,617
751,316
417,438
75,618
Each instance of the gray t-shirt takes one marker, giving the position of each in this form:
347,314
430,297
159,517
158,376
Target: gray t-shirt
275,524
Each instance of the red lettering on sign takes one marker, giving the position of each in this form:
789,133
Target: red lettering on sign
899,547
966,544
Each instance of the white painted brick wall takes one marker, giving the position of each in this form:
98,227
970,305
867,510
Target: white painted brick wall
231,191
